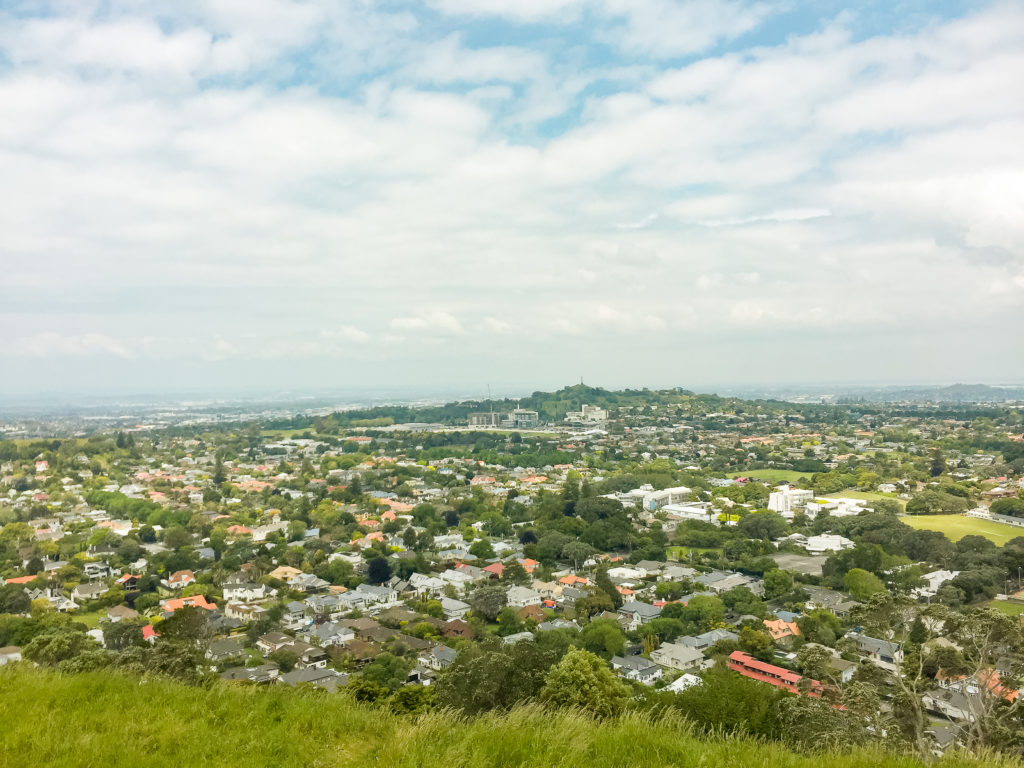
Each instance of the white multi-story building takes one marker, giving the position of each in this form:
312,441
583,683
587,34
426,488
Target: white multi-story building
788,500
588,413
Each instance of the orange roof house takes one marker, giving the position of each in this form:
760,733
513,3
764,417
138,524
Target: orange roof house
780,629
21,579
196,601
573,580
495,568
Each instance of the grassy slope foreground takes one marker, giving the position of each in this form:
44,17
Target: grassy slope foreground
113,720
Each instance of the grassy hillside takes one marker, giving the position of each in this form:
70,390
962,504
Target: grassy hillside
112,720
955,527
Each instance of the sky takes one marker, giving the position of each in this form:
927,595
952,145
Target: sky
261,194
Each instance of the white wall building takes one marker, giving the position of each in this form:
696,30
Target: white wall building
788,500
827,542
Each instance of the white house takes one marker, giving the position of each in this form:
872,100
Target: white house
827,542
679,657
520,597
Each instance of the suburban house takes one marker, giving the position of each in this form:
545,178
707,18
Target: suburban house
439,657
84,592
179,580
637,668
454,609
118,612
782,631
196,601
327,635
639,613
520,597
705,640
319,677
676,656
224,650
882,653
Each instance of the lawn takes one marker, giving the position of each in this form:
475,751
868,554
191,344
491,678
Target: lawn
91,619
955,527
1004,606
772,475
226,726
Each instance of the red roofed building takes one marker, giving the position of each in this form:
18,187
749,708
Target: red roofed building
148,633
239,530
572,580
780,629
180,579
748,666
196,601
496,569
21,580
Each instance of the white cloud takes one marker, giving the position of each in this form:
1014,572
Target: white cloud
184,183
434,321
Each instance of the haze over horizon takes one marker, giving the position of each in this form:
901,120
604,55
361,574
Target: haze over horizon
225,196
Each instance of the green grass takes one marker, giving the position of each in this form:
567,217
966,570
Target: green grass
772,475
1004,606
117,722
92,619
680,552
955,527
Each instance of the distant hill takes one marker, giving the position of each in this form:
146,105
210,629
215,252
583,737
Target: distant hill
103,719
552,406
954,393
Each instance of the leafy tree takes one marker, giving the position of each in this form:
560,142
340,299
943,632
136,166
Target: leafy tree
378,570
57,645
488,601
777,583
1012,507
388,671
514,573
490,675
814,661
604,583
595,602
862,584
482,548
602,637
577,552
727,702
188,625
758,644
762,525
412,699
118,635
936,503
14,599
583,680
820,626
285,659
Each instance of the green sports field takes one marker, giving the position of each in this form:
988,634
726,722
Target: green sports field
772,475
955,527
